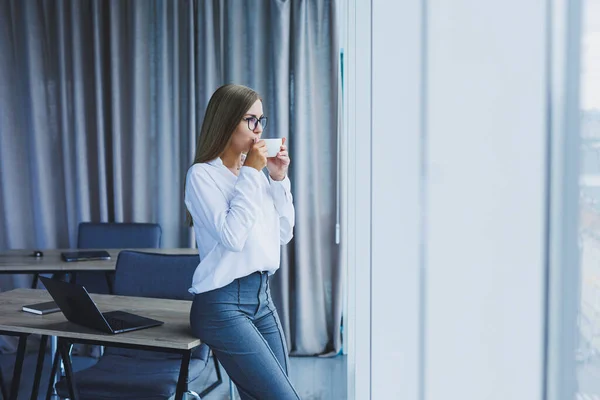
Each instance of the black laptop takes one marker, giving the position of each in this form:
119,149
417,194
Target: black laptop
85,255
78,307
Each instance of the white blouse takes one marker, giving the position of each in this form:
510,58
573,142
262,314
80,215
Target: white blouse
239,222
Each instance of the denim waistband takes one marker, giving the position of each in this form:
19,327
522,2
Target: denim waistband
250,294
257,282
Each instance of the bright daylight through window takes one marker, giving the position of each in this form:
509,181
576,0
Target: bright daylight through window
588,351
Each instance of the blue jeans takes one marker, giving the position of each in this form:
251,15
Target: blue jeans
241,326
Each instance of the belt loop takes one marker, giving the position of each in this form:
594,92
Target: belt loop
239,290
267,293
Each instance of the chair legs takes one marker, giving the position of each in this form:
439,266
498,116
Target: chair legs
192,394
231,390
182,391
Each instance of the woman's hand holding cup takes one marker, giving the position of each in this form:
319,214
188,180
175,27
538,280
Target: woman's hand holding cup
257,156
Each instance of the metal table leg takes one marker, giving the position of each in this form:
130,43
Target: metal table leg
55,363
56,370
109,282
63,348
39,367
14,390
182,382
34,282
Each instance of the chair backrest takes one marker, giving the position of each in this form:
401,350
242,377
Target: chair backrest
163,276
102,235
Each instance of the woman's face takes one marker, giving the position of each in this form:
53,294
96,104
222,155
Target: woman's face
243,137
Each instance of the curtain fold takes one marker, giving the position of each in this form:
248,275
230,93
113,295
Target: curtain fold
100,107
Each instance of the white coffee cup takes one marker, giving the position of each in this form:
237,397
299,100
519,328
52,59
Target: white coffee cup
273,146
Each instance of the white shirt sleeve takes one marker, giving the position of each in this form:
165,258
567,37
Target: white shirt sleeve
228,222
284,204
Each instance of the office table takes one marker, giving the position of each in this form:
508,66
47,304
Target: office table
21,261
174,336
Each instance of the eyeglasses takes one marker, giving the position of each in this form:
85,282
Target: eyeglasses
253,122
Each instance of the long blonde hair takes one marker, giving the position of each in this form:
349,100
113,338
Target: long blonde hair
226,108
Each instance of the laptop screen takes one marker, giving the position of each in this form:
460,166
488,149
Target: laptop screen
76,304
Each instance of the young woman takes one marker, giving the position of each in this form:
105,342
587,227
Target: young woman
240,218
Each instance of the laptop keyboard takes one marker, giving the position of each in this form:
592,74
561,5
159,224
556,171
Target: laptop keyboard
118,324
123,320
120,320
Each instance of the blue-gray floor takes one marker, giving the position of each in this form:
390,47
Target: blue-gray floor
315,378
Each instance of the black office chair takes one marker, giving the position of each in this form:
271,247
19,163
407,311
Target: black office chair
143,374
93,235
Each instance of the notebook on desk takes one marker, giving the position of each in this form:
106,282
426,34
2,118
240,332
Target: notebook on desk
79,308
85,255
41,308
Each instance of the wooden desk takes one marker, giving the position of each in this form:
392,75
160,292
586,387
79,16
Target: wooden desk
174,336
22,262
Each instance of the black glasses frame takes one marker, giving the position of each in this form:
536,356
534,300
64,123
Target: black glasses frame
252,126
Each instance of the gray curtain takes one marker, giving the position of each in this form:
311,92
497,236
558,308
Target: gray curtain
101,102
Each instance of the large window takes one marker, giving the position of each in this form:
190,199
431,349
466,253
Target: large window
588,350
